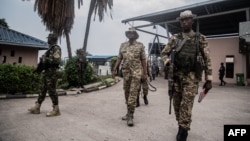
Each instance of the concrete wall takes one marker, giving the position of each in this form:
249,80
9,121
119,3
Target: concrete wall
29,55
219,49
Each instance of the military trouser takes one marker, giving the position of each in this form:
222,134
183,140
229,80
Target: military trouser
49,84
183,100
131,88
144,86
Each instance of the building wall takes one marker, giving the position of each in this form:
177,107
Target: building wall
219,49
28,55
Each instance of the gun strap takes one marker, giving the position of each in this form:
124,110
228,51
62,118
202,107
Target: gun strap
178,48
150,85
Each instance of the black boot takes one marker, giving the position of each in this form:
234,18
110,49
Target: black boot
182,134
130,121
145,99
221,83
138,101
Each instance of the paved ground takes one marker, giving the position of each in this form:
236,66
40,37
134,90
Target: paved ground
96,116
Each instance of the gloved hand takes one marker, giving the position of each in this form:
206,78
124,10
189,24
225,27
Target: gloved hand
207,85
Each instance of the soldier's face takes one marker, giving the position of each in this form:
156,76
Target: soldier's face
186,23
51,41
131,35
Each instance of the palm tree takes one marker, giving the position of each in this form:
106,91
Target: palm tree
99,6
58,17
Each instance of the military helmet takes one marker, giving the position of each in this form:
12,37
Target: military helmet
132,30
186,14
52,35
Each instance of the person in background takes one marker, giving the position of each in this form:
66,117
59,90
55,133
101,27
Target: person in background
222,74
154,70
144,86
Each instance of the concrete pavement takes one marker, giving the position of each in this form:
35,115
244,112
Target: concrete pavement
96,116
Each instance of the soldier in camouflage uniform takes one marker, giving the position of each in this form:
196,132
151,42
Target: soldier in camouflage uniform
81,65
185,76
132,53
51,61
144,86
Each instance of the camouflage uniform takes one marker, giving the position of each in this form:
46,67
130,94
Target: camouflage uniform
186,83
144,84
81,65
132,56
51,61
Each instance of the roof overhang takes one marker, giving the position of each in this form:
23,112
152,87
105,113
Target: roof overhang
99,57
14,38
214,17
39,47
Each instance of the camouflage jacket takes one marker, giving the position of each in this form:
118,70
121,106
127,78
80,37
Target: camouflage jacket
203,46
132,55
53,56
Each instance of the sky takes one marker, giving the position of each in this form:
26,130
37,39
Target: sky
105,37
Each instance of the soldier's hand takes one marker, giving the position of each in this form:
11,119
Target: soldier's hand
207,86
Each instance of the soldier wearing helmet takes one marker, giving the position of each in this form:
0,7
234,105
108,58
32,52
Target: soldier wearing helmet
51,60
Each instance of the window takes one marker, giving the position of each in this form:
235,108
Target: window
12,53
0,51
20,60
229,66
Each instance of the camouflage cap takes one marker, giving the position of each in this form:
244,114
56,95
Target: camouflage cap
132,30
186,14
52,35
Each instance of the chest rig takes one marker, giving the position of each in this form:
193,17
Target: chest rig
187,51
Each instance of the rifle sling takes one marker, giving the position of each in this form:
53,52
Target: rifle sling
181,45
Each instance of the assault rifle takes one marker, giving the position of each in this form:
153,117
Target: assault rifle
171,79
41,65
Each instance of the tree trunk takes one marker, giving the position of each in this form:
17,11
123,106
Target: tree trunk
91,9
68,45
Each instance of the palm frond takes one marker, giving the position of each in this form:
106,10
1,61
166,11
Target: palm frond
57,15
101,7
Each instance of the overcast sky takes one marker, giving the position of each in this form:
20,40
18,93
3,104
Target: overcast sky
104,37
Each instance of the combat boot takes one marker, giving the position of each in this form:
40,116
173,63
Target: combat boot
54,112
145,99
35,109
138,101
182,134
130,119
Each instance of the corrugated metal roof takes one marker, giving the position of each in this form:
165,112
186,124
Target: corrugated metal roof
12,37
100,56
215,16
